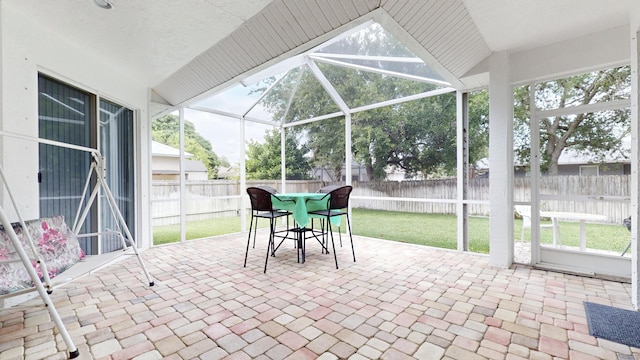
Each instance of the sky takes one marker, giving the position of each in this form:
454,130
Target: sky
224,132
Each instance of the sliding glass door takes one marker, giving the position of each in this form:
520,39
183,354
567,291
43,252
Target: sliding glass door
117,142
65,116
68,115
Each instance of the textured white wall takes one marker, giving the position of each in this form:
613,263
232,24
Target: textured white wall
28,48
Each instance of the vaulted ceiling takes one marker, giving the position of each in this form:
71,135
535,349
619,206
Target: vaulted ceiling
185,49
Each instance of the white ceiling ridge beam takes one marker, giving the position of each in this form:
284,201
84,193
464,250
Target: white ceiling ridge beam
373,106
293,93
250,76
326,84
390,24
403,99
343,34
381,71
214,111
313,119
371,57
262,121
232,115
583,109
279,68
413,60
264,94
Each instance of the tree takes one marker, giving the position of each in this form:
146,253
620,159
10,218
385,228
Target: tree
166,130
418,136
595,134
263,159
478,131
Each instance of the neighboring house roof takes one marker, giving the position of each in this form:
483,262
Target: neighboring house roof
228,172
165,172
571,157
165,151
194,166
160,149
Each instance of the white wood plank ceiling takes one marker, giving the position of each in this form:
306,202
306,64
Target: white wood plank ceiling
187,49
443,30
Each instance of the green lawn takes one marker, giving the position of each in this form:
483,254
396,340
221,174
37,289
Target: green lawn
426,229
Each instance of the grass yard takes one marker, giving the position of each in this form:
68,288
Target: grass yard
436,230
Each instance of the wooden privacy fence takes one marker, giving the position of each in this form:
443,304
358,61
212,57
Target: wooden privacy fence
608,195
208,199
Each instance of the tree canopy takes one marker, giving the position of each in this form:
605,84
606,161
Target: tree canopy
166,130
596,134
418,137
263,159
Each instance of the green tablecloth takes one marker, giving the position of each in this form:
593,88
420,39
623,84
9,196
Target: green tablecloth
298,206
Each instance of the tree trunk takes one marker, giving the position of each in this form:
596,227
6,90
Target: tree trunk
553,164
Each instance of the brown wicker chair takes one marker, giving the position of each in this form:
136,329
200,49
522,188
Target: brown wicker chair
261,207
337,203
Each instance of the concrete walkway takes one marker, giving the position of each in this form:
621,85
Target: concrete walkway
398,301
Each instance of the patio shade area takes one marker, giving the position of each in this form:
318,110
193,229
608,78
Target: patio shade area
398,301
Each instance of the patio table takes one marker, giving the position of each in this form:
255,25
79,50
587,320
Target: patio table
300,210
582,217
296,203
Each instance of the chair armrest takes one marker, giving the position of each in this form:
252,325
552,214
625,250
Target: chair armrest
318,204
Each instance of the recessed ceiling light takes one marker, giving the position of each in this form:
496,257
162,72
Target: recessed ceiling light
105,4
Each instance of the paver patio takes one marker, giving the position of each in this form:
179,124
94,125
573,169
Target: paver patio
398,301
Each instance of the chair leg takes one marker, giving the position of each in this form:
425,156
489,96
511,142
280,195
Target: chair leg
272,234
297,245
246,254
325,237
255,231
353,251
300,245
270,246
333,244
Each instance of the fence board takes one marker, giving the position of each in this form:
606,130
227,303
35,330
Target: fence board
608,195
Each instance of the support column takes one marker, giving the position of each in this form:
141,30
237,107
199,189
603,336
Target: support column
500,161
283,159
635,152
348,157
244,203
183,192
462,144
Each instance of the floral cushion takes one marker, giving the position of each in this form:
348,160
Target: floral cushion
56,243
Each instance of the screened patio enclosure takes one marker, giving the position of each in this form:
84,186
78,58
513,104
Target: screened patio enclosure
166,68
383,62
317,67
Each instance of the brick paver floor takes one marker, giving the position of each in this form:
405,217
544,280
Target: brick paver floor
398,301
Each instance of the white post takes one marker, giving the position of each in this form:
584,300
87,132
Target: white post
635,153
347,148
462,154
243,176
283,159
534,163
183,192
500,161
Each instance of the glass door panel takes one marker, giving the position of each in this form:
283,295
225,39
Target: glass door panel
65,116
117,145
